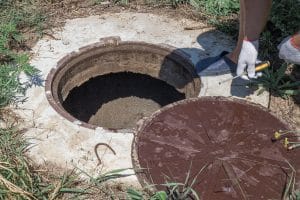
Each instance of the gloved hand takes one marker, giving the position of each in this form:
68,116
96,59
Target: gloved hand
289,51
248,58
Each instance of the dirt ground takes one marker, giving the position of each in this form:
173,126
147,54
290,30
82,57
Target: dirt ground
83,8
58,12
104,191
288,109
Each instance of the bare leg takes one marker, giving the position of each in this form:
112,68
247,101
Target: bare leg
234,55
256,17
253,18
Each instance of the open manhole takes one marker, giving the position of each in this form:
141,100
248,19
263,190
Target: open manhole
113,84
229,138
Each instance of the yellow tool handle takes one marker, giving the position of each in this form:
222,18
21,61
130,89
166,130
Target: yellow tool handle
262,66
259,67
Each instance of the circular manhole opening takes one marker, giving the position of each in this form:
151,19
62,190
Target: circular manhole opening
229,139
113,84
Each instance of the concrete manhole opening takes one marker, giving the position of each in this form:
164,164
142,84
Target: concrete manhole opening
113,84
229,138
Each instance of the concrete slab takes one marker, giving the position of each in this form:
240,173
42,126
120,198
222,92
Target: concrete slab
67,144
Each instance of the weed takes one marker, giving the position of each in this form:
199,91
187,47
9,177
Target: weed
96,2
290,193
109,176
220,7
18,180
121,2
226,25
22,13
12,64
173,191
283,22
12,88
173,3
220,13
278,82
285,17
97,184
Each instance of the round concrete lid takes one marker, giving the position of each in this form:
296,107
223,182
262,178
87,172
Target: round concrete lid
229,138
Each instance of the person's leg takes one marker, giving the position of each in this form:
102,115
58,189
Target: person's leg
234,55
253,18
256,17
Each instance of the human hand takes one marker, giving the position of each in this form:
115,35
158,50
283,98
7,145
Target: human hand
289,51
248,58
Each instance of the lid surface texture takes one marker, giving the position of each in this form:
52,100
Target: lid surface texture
229,138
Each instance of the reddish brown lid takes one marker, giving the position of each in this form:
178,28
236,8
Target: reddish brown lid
232,137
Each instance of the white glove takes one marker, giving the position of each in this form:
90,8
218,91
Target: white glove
288,52
247,58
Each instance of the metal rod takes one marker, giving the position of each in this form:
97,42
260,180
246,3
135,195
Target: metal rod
259,67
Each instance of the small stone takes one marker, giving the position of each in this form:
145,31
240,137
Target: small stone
66,41
105,3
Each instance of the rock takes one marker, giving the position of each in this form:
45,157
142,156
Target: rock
65,41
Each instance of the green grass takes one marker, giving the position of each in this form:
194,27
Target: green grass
12,88
15,17
19,180
221,14
24,14
278,82
218,8
173,190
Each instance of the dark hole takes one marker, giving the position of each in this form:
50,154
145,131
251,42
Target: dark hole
119,100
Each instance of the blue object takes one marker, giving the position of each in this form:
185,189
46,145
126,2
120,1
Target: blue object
216,65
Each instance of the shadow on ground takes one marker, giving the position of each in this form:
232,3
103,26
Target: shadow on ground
239,87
